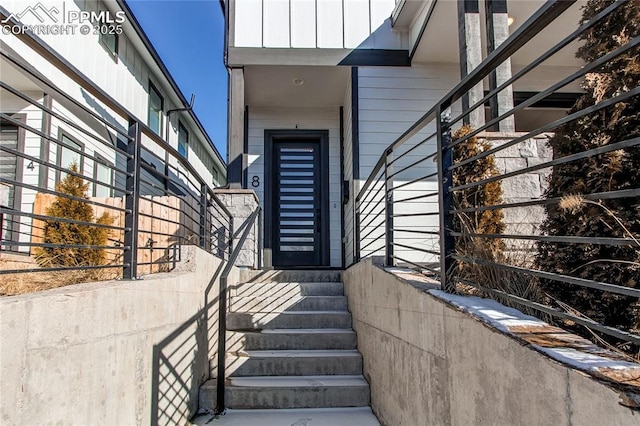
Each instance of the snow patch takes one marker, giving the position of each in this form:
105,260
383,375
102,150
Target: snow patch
502,317
585,361
490,311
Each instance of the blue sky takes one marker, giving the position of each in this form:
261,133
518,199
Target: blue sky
189,37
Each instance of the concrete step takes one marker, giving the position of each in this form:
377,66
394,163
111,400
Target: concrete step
352,416
291,339
290,275
294,363
295,303
276,320
288,290
259,392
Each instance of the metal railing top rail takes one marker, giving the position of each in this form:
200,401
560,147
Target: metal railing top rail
549,11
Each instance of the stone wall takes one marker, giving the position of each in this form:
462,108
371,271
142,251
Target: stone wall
429,362
241,203
524,187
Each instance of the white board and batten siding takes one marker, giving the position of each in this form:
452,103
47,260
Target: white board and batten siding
126,79
279,118
390,101
328,24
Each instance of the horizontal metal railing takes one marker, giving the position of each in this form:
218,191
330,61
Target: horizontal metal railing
406,209
154,198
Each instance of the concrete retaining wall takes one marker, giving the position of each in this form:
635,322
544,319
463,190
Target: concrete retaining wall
428,363
111,353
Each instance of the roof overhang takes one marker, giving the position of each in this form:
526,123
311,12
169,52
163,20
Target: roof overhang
406,11
246,56
439,40
296,86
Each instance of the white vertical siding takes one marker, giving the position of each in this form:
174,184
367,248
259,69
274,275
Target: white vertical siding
277,14
248,14
357,22
330,21
315,23
380,12
303,23
261,119
126,80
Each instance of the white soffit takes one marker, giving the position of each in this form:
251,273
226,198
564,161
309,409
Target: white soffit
440,44
270,85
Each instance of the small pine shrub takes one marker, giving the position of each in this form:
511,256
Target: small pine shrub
616,170
486,222
57,232
479,222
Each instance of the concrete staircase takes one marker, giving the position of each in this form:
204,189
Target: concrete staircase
290,346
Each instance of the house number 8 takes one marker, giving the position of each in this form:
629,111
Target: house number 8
255,181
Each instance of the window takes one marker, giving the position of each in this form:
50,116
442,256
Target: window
183,140
156,104
110,44
104,174
11,166
215,177
69,152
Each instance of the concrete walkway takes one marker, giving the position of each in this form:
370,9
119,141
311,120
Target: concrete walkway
358,416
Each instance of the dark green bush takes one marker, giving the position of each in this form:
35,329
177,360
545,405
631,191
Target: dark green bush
617,170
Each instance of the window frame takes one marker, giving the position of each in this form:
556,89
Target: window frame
102,160
19,177
215,176
60,144
112,54
186,143
152,87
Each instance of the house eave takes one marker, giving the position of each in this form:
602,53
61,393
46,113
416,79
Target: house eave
245,56
405,13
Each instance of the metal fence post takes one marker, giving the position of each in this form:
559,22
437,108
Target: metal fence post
445,198
259,238
356,230
130,270
388,209
204,210
230,235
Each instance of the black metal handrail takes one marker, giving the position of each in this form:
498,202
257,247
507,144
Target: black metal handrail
164,201
397,227
223,308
